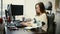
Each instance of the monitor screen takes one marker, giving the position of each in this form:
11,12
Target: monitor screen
17,10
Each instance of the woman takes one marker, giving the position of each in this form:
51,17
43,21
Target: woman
41,15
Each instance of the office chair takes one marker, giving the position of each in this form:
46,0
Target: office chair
51,24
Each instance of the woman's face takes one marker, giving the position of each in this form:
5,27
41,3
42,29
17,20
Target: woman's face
37,9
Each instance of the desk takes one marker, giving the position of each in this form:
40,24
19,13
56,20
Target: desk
20,31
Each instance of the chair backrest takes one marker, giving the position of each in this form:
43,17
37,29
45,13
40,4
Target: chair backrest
51,18
50,22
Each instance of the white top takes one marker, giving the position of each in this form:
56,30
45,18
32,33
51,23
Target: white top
41,18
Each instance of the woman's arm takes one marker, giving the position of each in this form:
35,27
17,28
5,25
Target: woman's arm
28,24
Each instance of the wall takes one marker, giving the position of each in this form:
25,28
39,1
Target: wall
29,5
16,2
59,3
30,8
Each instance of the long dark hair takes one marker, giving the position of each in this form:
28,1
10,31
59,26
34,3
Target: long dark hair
42,7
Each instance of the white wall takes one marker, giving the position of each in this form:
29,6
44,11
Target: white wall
16,2
59,3
0,8
29,5
30,8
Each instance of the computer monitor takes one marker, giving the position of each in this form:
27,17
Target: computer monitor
16,10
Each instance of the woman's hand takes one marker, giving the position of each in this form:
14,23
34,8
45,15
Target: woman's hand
23,23
28,24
